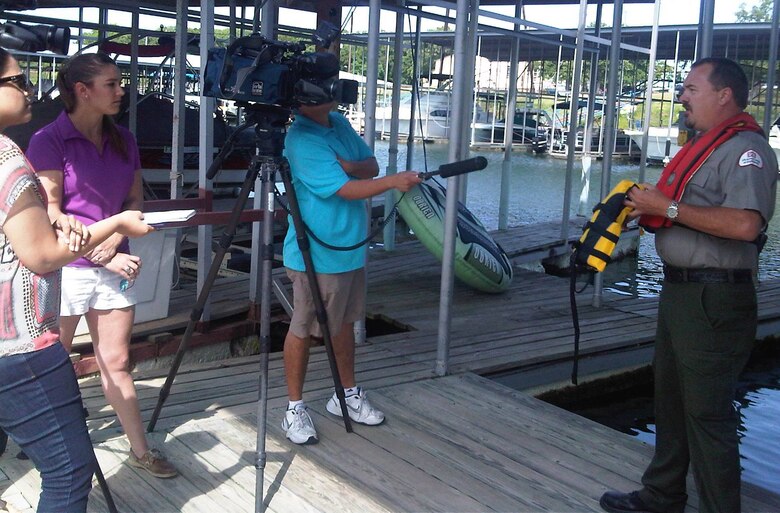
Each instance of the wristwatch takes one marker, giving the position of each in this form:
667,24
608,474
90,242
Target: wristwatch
672,210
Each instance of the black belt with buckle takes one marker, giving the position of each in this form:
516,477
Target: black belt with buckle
706,275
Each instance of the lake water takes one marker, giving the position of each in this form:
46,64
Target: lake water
536,195
757,400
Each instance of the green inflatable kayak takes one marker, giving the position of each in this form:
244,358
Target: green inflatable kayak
479,261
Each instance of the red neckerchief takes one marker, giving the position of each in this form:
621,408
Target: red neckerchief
690,158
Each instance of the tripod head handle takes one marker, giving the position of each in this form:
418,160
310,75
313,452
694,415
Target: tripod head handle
227,148
216,165
456,168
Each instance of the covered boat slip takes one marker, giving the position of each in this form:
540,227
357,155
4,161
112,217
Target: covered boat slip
452,443
459,443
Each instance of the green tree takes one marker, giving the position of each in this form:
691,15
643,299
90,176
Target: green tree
757,13
353,59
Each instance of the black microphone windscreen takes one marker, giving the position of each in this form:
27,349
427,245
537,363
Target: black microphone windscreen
462,166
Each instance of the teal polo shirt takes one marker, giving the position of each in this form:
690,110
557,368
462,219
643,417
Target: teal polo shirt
312,151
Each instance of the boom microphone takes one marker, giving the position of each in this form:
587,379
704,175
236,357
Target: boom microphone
456,168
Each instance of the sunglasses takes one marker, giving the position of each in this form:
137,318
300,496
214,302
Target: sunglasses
20,81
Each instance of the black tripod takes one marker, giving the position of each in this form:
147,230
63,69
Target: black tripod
270,128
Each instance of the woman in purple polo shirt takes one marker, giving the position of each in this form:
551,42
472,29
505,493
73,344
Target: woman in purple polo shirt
90,169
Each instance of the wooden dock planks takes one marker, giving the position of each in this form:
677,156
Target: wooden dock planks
454,444
459,443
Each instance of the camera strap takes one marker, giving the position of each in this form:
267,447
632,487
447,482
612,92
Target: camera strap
393,213
249,43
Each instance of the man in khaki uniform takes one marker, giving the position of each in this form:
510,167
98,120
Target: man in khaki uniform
712,212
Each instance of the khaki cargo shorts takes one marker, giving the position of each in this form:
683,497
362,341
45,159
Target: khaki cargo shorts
344,297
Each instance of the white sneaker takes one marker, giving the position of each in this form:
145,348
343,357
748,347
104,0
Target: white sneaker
299,427
360,410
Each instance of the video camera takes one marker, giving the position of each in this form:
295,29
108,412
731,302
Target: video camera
32,38
255,69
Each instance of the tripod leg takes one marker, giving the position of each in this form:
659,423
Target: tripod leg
197,311
104,488
267,255
322,315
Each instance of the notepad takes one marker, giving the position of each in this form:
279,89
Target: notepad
168,216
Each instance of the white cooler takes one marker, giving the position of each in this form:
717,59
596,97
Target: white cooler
153,286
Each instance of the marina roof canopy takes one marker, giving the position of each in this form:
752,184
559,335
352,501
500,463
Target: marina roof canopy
733,40
308,5
736,40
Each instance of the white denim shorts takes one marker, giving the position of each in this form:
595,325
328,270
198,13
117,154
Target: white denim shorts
97,288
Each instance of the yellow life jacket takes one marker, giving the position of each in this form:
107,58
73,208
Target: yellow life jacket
600,235
594,249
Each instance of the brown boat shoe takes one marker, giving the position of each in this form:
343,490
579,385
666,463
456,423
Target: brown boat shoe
154,462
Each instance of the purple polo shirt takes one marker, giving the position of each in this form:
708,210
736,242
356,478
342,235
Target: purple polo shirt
95,184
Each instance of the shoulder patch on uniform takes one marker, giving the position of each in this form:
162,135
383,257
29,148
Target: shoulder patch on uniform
751,158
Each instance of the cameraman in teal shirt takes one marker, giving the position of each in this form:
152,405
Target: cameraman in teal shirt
333,173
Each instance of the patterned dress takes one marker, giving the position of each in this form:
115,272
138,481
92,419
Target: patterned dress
29,302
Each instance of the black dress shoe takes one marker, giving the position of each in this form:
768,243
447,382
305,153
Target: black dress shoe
616,502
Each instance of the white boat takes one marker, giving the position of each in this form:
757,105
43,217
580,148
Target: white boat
657,140
529,125
774,138
657,137
432,115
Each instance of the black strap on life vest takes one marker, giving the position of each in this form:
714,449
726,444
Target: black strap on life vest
574,269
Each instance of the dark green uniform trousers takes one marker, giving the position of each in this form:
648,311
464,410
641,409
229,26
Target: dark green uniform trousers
704,337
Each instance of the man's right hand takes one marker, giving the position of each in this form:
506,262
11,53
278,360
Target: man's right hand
405,180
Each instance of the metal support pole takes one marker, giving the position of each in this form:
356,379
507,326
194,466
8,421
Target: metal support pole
81,28
509,119
587,136
133,105
392,160
206,144
706,21
649,90
555,95
372,72
610,125
571,138
369,111
467,100
771,68
415,92
668,147
451,210
232,20
179,95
